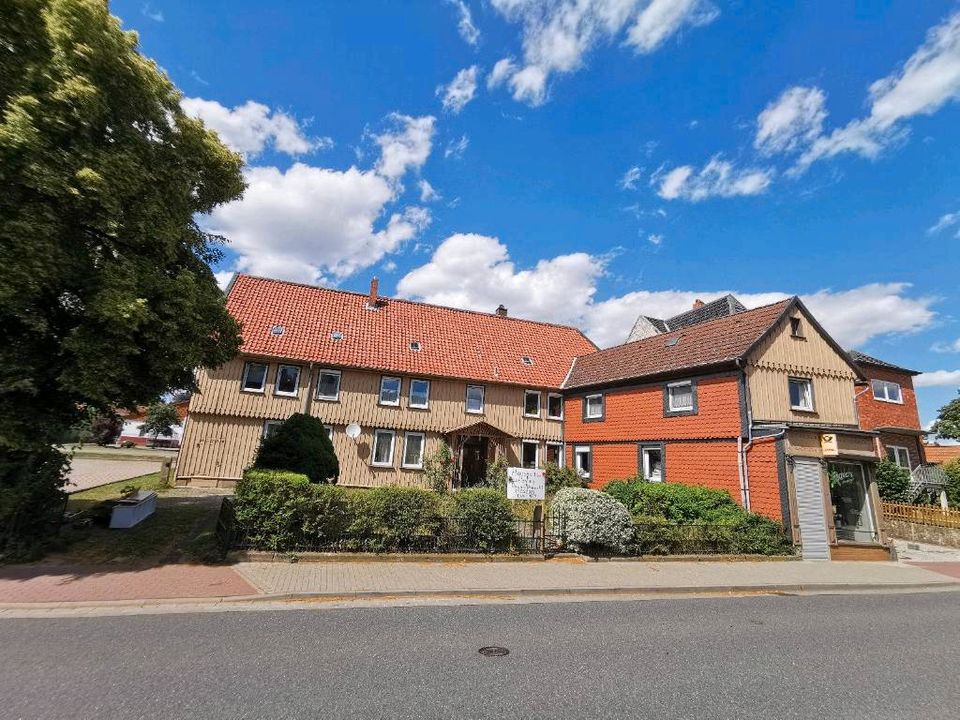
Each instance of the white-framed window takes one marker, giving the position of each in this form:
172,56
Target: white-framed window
270,427
529,454
796,327
593,406
801,394
583,460
900,455
389,390
329,429
254,377
288,380
383,448
555,453
420,394
531,403
651,459
328,385
680,397
413,443
887,391
554,406
475,399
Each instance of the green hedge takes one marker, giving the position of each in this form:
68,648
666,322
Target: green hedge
393,517
485,519
674,501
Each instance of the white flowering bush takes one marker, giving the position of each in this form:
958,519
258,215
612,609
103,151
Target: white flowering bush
592,520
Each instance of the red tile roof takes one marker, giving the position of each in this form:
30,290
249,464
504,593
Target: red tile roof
941,453
454,343
715,342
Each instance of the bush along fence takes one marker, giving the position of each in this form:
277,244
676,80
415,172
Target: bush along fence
284,512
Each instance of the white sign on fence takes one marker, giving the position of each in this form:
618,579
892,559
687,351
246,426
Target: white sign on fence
525,484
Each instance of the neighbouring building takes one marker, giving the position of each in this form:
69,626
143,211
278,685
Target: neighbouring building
133,421
404,376
940,454
759,403
887,403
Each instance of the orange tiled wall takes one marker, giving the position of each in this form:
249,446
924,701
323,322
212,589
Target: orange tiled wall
764,478
711,464
613,462
637,414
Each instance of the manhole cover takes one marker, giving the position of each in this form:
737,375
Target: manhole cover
493,651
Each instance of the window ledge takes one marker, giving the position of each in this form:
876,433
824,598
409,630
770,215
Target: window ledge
892,402
320,398
253,392
381,465
810,411
384,404
285,394
412,467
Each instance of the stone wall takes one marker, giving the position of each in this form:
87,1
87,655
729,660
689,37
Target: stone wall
905,530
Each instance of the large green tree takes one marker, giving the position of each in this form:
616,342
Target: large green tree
106,294
947,424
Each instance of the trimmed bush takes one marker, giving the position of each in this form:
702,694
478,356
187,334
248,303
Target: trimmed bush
893,481
281,510
390,518
300,445
952,469
674,501
592,521
485,519
558,478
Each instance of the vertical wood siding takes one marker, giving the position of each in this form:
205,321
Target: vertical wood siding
781,357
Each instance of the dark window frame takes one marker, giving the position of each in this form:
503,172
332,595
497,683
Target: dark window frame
603,407
667,412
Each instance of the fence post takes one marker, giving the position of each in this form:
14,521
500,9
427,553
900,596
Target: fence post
165,472
539,531
944,505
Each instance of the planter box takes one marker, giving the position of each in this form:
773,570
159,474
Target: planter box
133,510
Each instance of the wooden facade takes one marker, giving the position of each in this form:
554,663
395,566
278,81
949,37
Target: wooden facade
226,423
783,355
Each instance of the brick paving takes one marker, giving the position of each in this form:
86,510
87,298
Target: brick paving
86,473
52,584
386,577
950,569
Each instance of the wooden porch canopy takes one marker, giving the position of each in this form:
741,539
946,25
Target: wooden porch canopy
481,428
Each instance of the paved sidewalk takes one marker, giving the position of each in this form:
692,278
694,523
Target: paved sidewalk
61,584
86,473
349,578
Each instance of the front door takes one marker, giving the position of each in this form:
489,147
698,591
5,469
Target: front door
850,501
473,470
810,513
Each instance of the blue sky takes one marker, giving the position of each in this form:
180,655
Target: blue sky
581,162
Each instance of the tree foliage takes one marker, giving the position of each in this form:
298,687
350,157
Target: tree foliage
103,426
893,481
947,424
300,445
159,420
106,295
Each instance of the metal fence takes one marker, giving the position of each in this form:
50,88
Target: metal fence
437,534
922,514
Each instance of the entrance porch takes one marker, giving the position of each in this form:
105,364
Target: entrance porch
475,447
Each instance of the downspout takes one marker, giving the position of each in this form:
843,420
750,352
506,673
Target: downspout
878,446
742,468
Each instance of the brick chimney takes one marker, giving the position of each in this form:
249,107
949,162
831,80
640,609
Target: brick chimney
501,310
697,304
374,298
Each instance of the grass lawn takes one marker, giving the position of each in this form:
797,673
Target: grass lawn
179,531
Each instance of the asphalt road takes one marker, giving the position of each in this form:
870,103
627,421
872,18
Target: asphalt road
855,656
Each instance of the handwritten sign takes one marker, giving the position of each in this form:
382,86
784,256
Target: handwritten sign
525,484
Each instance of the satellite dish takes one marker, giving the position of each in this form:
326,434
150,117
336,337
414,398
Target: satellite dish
353,431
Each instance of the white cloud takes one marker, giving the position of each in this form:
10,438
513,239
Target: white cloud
946,347
558,34
945,221
223,278
937,378
407,146
655,239
929,79
718,178
475,271
793,120
427,193
468,31
147,11
460,91
251,127
456,148
630,178
312,224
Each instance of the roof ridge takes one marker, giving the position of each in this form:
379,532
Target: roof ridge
410,302
697,325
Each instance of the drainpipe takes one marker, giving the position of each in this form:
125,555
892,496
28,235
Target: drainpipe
878,446
742,468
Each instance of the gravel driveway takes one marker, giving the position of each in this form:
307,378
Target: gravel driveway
86,473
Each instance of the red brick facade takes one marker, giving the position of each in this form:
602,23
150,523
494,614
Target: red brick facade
876,413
